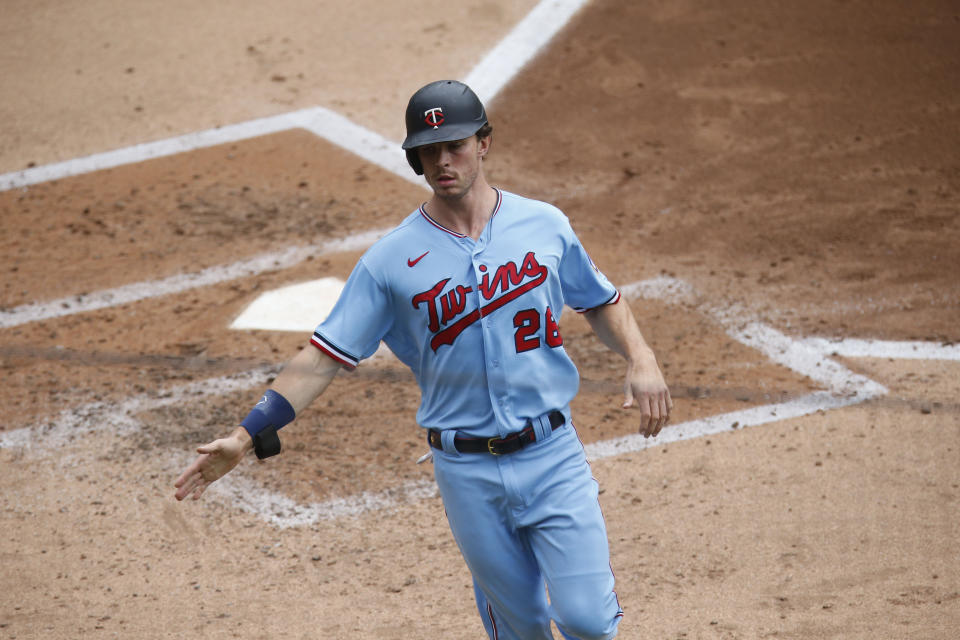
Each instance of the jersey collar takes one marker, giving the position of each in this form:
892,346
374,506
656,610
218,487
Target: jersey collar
423,212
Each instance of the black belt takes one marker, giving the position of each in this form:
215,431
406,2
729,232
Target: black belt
497,446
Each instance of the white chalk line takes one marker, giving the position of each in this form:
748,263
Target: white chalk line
521,45
712,425
119,418
806,357
495,70
283,512
802,357
179,283
896,349
735,319
844,387
318,120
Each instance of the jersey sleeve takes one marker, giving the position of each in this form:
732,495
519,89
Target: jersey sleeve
358,321
584,285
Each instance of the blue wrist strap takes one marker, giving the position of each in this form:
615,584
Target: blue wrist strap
273,410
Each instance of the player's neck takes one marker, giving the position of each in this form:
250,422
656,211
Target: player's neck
467,214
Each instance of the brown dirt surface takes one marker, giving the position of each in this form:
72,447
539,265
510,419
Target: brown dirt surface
795,163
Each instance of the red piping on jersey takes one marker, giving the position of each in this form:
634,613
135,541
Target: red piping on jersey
493,622
423,212
328,350
600,506
614,299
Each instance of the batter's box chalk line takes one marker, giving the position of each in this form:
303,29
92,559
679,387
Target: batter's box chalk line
138,291
494,71
808,357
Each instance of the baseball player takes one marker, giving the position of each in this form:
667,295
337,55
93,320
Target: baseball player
468,292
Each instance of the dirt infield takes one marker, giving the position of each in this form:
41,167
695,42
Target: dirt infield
791,170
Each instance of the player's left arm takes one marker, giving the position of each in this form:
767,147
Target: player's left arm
305,377
644,387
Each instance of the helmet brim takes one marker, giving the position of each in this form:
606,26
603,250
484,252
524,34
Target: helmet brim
447,133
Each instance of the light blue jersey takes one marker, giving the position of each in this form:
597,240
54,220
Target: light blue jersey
476,321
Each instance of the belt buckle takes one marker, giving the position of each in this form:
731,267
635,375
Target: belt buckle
490,447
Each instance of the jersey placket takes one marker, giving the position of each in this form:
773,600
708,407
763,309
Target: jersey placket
493,340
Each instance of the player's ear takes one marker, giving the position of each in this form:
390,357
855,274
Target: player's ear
483,145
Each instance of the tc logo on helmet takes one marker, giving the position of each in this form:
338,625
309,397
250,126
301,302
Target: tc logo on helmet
433,117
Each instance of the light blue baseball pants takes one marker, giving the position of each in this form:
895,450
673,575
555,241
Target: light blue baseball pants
529,520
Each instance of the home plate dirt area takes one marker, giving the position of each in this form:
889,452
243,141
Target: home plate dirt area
774,187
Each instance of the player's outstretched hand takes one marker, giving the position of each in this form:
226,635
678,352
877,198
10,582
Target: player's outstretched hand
214,461
646,390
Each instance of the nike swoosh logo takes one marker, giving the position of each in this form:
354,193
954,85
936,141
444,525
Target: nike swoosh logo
414,261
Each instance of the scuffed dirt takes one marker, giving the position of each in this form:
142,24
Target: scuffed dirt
795,164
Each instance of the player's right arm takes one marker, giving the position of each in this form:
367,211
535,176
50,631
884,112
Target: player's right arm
304,378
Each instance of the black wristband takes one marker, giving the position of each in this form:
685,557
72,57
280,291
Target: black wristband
266,443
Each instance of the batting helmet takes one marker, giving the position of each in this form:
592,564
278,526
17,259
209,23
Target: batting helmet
440,112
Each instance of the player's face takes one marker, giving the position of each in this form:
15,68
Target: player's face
451,168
